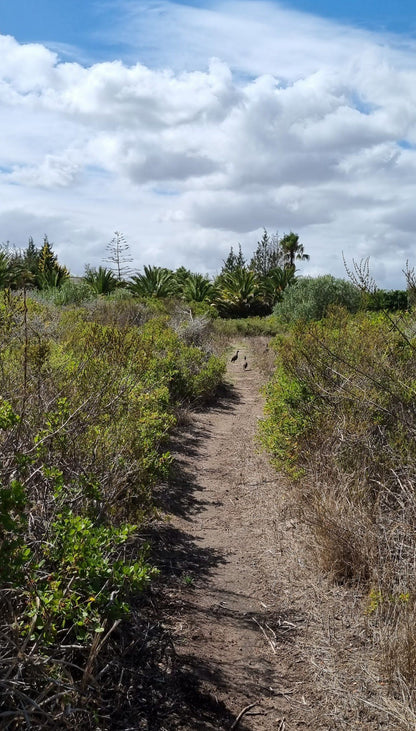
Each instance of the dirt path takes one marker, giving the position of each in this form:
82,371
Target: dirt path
233,629
253,623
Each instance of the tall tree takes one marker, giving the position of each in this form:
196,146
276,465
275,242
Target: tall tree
49,272
233,261
119,256
267,256
292,249
31,256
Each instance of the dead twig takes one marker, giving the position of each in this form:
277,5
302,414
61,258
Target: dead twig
271,643
241,714
96,646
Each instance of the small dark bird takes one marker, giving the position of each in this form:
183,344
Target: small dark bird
234,358
245,364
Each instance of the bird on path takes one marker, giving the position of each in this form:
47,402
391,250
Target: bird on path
234,358
245,364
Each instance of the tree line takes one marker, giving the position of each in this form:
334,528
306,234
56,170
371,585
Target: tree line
240,289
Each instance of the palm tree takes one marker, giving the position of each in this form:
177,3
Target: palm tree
181,275
274,284
197,288
13,272
237,293
292,249
101,280
155,282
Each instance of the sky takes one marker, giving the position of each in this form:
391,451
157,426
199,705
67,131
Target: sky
191,126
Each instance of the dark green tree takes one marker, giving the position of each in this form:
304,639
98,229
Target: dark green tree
22,264
233,261
237,294
274,284
197,288
267,256
30,257
182,275
49,272
154,282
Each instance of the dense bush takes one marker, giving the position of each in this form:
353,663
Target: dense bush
89,396
390,300
309,298
341,420
69,293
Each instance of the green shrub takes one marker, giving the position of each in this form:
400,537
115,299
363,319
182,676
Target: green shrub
288,404
89,398
69,293
82,578
309,298
391,300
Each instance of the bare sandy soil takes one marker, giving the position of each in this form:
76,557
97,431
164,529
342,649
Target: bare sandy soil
258,638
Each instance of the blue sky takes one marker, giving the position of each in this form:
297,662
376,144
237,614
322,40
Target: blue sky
78,22
398,16
190,126
84,25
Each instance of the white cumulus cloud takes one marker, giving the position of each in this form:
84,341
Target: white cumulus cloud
216,123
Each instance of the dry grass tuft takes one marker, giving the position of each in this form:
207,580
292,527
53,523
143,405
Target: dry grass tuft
342,421
344,536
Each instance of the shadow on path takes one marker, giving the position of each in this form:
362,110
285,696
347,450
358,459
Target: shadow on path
166,690
169,687
182,495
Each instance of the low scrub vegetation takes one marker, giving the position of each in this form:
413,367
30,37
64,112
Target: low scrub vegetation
95,371
341,421
88,397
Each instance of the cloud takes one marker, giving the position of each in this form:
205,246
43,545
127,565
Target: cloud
252,37
51,173
297,124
